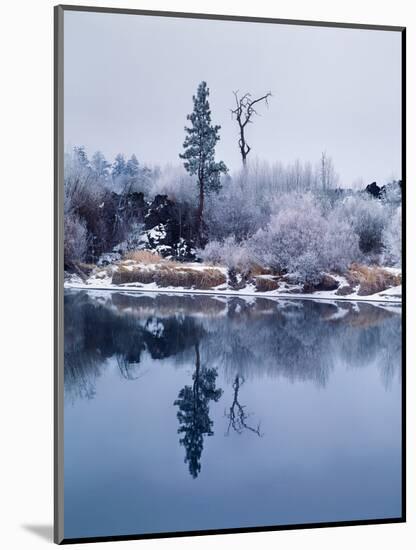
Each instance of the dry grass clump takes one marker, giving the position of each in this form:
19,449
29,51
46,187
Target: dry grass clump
372,279
265,285
203,279
123,275
143,256
167,275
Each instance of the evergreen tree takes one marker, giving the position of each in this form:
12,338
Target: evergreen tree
132,167
199,153
81,156
100,165
119,166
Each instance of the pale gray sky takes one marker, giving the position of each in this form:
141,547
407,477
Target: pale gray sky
129,82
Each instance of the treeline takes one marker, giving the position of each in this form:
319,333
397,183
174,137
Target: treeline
101,202
291,219
258,214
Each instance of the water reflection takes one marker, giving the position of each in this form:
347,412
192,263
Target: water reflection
198,412
298,340
193,415
237,414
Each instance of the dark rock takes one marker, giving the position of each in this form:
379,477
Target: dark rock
374,190
344,290
136,204
327,283
237,280
265,284
169,228
161,211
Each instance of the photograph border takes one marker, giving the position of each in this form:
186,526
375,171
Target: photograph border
59,272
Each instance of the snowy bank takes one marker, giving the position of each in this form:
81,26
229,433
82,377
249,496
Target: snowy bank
197,278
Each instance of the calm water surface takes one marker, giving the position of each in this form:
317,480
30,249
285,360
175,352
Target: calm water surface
195,412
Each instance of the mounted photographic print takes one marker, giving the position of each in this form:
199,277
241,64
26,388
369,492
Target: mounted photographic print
229,196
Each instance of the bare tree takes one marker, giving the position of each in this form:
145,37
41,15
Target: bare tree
327,176
243,112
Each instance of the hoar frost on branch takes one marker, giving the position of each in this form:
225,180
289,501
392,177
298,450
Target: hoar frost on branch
300,241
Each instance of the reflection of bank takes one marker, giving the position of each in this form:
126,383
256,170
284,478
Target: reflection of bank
299,340
193,415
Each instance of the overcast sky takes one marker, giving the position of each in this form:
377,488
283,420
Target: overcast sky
129,82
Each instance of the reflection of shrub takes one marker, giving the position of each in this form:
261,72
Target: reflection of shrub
166,276
371,279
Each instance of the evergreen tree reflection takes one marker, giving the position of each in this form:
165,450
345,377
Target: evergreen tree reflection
193,414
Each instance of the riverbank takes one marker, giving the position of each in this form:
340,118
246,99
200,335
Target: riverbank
360,283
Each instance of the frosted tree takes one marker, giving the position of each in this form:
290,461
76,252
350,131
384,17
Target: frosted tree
137,178
244,111
327,176
132,167
100,165
81,156
199,155
119,174
119,166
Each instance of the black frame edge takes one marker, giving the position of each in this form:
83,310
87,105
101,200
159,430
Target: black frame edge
58,524
234,531
221,17
404,274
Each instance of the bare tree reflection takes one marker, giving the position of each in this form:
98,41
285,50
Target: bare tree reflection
127,370
237,415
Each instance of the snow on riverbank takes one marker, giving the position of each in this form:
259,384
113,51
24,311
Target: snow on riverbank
103,283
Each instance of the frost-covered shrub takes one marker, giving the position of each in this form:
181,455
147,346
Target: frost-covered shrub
75,239
291,242
340,244
238,210
392,239
368,218
392,194
212,253
229,253
300,241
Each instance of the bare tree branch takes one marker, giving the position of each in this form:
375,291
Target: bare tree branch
243,114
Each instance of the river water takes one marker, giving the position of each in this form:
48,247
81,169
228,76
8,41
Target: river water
188,413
